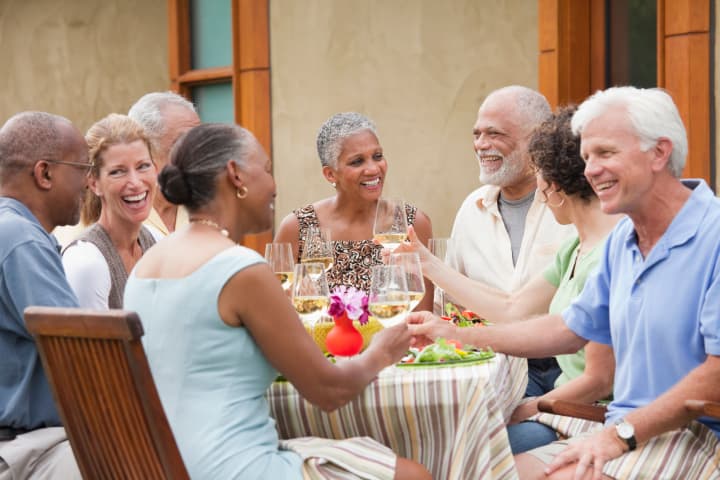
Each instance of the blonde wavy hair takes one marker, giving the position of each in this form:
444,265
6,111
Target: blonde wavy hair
115,129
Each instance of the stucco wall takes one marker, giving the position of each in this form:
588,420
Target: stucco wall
80,58
418,68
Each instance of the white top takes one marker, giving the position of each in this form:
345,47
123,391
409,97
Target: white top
482,244
88,274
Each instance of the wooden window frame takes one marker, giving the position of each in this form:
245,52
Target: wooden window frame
249,72
571,63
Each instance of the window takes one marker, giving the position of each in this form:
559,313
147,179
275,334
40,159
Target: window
219,58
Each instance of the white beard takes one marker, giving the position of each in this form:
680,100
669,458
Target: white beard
510,171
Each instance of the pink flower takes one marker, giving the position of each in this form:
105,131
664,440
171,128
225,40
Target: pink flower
349,300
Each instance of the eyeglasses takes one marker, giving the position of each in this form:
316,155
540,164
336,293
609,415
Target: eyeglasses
83,165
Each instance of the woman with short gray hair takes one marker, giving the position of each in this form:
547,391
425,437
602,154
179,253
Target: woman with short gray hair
353,162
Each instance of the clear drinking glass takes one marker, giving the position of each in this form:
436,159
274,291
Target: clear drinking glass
390,228
318,247
310,293
280,259
443,248
389,300
410,261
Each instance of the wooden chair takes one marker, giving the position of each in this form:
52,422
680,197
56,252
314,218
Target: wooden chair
596,413
105,393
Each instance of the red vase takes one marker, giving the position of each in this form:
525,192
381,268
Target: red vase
343,340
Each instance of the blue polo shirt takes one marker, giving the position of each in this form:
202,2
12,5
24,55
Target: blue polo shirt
31,273
661,314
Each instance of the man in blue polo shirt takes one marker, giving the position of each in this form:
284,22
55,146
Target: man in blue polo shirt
43,171
655,298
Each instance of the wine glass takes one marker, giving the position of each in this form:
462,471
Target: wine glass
410,261
280,259
318,247
390,228
310,293
444,249
389,300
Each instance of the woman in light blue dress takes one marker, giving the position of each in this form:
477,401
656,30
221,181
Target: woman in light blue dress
218,327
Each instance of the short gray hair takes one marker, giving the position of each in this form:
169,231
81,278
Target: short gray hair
531,106
335,130
147,111
652,114
27,137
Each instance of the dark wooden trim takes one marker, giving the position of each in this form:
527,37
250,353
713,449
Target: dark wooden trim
206,75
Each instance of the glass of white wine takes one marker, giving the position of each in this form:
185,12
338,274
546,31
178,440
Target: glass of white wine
318,247
390,228
410,261
310,293
389,300
280,259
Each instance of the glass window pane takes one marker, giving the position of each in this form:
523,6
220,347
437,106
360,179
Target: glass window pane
214,102
632,43
210,31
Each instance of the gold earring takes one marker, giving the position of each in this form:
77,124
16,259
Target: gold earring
244,191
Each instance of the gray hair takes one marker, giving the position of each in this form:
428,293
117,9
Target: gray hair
652,114
28,137
531,106
198,158
335,130
147,111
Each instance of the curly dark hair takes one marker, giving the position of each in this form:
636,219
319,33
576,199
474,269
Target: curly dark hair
555,152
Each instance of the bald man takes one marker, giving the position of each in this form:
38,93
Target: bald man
43,171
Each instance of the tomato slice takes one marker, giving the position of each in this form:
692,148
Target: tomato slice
455,343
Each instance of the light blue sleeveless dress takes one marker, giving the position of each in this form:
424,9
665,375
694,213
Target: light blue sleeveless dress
211,377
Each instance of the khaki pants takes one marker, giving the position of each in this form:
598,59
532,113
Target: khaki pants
38,455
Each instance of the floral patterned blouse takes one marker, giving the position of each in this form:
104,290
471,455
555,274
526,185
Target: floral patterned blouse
353,258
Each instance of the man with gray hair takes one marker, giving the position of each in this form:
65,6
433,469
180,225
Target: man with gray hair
654,299
503,234
165,116
43,176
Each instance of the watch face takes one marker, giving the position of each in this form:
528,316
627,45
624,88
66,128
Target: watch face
625,430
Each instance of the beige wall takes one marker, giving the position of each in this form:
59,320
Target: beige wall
80,58
418,68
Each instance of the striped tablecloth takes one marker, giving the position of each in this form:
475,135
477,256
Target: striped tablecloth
450,419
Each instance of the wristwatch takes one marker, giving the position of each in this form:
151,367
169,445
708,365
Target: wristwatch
626,432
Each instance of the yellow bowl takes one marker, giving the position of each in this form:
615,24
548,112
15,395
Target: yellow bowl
323,327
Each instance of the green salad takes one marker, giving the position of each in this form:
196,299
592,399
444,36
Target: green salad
446,351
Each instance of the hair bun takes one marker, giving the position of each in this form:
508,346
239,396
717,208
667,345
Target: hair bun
174,186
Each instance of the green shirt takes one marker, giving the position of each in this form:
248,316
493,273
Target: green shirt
569,285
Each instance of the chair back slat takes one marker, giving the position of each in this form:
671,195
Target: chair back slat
105,394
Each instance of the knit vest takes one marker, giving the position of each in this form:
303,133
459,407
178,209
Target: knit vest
99,237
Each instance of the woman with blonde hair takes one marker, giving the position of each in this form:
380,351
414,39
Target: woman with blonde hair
121,187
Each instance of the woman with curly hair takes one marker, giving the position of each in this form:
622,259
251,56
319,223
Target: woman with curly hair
586,375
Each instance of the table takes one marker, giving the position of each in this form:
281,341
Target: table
450,419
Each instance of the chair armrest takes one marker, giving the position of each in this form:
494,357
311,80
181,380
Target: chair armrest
595,413
703,408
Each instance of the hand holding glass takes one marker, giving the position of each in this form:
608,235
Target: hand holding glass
410,261
280,259
318,247
389,300
390,228
310,293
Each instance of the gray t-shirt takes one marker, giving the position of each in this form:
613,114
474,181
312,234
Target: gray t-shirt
513,213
